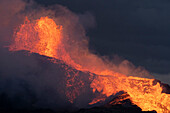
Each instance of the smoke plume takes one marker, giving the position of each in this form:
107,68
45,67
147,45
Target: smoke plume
29,79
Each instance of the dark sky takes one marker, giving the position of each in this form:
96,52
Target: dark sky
137,30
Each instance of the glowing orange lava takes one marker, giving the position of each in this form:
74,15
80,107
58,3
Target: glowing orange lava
44,37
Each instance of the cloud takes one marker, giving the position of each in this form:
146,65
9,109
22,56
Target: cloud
165,78
9,18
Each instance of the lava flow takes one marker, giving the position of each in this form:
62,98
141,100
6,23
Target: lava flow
44,37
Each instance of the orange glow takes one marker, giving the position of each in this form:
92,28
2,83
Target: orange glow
44,37
141,90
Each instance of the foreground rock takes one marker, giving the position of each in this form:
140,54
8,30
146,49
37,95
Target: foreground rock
119,104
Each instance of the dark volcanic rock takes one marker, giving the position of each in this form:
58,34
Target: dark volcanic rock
119,104
165,87
27,111
32,81
113,110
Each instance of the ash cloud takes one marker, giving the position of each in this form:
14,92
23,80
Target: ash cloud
26,76
10,19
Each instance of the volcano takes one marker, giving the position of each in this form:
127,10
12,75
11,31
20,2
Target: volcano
25,98
48,65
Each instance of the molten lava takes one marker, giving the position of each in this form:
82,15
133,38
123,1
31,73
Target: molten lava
44,37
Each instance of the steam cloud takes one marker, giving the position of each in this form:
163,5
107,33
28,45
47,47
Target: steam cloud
25,79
